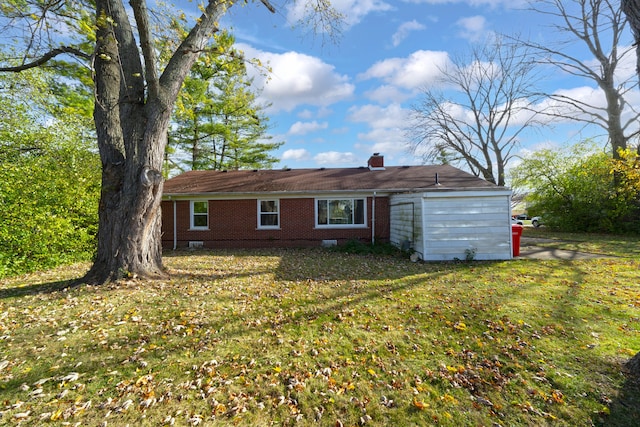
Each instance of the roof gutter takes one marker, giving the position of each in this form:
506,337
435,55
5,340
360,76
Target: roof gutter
175,226
373,219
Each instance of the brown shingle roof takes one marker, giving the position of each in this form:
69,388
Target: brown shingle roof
392,179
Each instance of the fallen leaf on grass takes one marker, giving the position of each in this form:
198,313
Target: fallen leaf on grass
21,415
459,326
420,404
449,399
482,400
73,376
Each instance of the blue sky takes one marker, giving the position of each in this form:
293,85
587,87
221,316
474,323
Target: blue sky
335,104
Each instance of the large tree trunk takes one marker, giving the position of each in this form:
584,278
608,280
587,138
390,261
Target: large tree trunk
131,139
615,105
631,8
129,238
132,112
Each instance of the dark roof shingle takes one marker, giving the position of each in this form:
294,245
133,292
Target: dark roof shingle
393,178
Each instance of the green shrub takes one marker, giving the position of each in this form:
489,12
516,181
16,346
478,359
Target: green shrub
582,189
48,206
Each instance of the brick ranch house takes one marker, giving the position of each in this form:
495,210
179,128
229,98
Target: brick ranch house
440,212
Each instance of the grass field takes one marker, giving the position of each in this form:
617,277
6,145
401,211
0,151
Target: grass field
313,337
622,246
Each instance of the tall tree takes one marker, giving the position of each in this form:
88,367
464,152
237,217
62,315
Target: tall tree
480,118
631,8
598,26
134,97
218,123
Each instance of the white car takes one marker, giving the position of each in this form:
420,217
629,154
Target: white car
524,219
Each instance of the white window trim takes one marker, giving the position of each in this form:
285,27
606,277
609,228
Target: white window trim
191,214
268,227
364,225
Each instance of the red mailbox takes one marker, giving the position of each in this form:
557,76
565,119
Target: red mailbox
516,233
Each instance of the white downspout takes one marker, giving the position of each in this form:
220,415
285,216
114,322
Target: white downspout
373,219
175,231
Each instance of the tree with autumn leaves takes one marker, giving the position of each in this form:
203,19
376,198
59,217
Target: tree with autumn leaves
134,95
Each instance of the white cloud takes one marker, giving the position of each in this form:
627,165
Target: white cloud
352,10
391,116
386,133
404,29
472,28
302,128
299,154
297,79
336,158
388,142
626,68
306,114
340,131
419,69
386,93
507,4
584,95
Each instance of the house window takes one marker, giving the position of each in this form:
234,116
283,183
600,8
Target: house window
199,215
340,212
268,214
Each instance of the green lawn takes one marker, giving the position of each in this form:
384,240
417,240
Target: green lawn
314,337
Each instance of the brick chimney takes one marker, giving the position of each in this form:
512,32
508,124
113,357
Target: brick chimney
376,162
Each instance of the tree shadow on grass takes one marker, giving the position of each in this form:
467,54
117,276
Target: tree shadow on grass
624,410
12,287
340,290
191,264
338,282
301,264
38,288
261,296
622,407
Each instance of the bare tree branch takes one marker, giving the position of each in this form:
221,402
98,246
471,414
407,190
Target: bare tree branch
268,6
598,26
480,124
47,57
631,9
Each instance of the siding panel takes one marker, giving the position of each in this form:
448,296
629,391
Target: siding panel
455,225
406,222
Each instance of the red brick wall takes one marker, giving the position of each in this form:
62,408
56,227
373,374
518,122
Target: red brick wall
234,224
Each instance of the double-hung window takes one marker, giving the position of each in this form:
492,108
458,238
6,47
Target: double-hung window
340,212
268,214
199,215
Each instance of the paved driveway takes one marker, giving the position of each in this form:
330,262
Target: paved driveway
529,250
